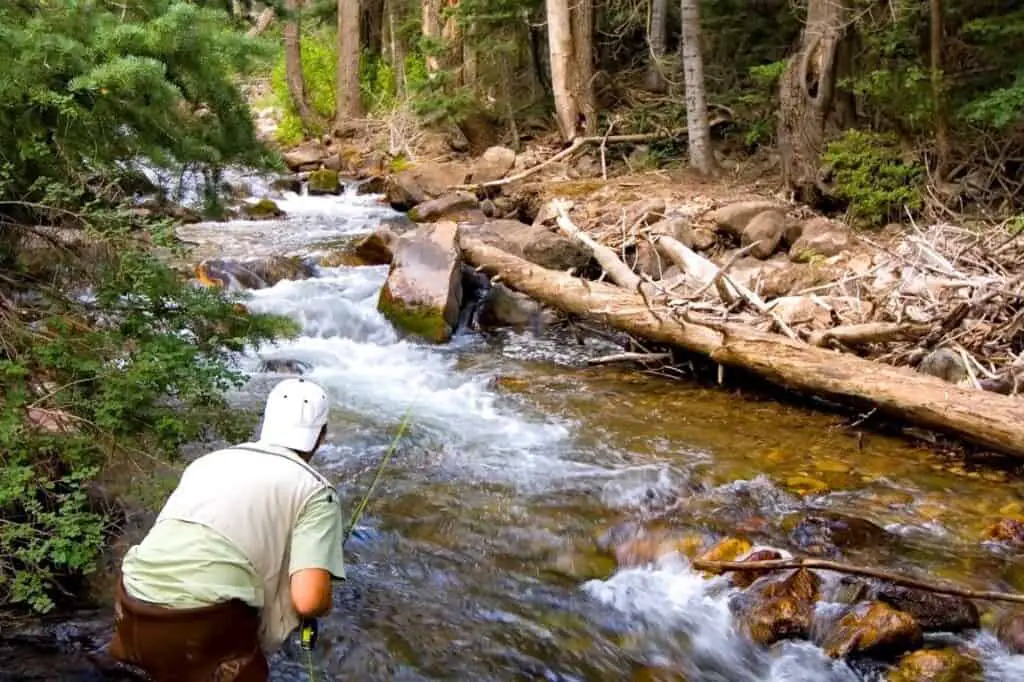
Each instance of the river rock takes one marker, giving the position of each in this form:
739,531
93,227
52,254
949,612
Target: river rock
285,366
537,244
322,182
734,218
703,239
422,182
503,307
1009,628
820,237
377,247
253,274
933,612
305,155
264,209
286,183
748,578
764,231
780,610
423,292
493,164
816,312
727,549
873,629
372,185
824,533
937,665
945,364
456,206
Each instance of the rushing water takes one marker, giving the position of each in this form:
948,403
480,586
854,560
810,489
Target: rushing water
467,563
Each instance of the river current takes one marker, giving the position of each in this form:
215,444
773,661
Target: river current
475,558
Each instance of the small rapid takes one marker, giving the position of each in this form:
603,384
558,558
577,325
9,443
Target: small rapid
517,458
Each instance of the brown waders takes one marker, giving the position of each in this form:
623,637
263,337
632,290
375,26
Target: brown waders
218,643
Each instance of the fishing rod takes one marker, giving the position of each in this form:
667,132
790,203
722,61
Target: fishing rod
309,628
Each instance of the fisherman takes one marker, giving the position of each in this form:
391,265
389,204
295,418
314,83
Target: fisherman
242,553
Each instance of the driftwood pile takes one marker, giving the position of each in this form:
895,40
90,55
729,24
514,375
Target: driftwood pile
941,288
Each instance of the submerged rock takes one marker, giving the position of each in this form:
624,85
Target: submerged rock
503,307
423,291
254,274
937,665
824,533
780,610
873,629
747,578
1009,628
285,366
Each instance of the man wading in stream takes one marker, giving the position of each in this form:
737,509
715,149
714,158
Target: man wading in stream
244,549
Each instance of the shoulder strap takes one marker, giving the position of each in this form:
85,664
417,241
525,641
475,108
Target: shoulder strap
316,474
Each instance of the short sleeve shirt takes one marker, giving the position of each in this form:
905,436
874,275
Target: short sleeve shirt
318,535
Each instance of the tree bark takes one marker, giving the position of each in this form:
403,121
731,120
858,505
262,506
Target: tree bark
582,12
702,157
989,420
431,29
396,46
560,44
347,95
655,81
451,34
293,67
807,93
938,89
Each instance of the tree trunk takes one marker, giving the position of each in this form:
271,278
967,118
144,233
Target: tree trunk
471,58
582,12
431,30
563,85
451,34
347,95
293,68
807,93
396,46
938,89
987,419
702,157
372,26
655,81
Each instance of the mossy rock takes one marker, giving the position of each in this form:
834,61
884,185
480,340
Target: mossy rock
937,665
422,321
323,181
264,209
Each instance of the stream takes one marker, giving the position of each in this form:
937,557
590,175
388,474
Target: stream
476,558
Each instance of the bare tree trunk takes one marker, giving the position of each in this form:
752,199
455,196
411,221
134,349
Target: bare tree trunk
431,29
347,95
263,22
396,47
451,34
702,157
293,67
562,62
807,94
582,12
470,58
372,25
655,81
938,94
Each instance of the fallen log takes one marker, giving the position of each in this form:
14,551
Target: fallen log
867,333
617,271
986,419
850,569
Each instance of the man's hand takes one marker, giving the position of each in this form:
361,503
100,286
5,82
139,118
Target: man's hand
311,592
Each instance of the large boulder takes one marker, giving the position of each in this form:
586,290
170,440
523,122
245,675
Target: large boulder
456,206
937,665
503,307
764,232
821,238
323,181
873,629
493,164
306,155
422,182
734,218
536,244
423,291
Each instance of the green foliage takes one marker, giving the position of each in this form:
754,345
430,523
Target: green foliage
319,66
1002,104
870,173
105,351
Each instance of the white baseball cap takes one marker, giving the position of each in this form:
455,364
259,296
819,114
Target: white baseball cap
296,411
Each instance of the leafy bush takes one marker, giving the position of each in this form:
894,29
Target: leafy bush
105,351
869,172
